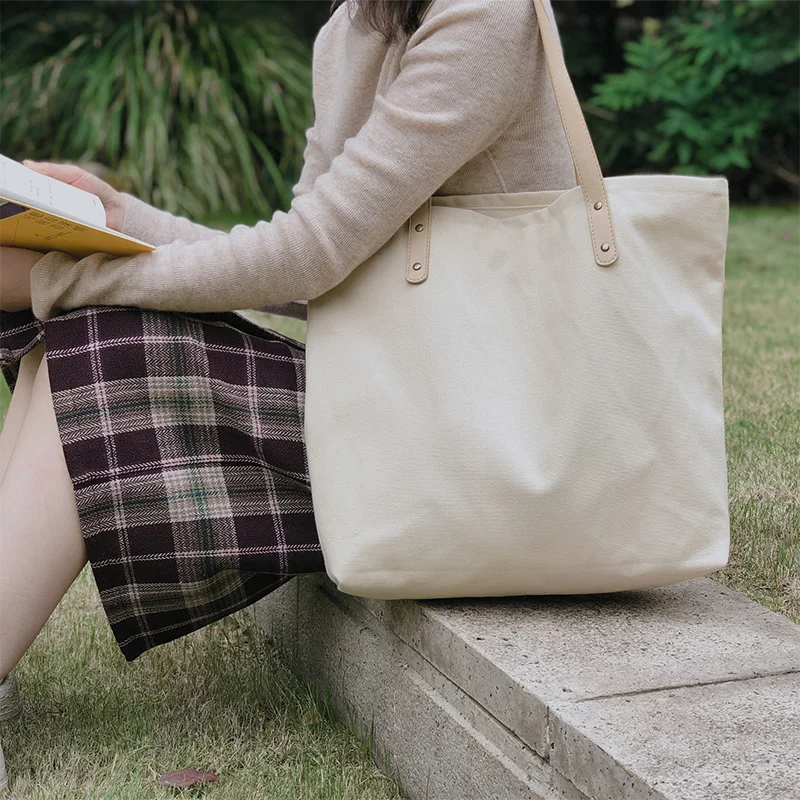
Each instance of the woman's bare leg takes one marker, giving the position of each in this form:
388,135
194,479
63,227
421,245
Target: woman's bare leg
19,404
41,545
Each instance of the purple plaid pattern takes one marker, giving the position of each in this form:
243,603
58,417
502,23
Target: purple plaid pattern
20,332
183,436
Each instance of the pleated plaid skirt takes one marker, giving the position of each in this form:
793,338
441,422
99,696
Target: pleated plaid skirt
183,437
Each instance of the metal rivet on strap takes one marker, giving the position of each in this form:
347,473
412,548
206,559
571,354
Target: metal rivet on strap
419,227
416,265
605,247
598,205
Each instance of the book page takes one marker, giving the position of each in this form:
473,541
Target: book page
27,187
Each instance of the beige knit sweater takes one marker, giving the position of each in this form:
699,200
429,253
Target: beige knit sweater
463,106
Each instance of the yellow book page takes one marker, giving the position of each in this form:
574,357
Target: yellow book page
21,226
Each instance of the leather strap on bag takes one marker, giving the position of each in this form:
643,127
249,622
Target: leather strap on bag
584,158
425,12
419,244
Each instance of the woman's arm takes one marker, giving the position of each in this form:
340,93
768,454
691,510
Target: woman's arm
158,227
313,163
148,223
144,221
151,224
460,85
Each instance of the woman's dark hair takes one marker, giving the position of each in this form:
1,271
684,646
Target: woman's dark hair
390,18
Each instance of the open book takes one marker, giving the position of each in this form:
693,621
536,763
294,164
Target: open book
41,213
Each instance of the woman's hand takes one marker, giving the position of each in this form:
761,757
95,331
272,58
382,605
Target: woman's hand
112,200
16,264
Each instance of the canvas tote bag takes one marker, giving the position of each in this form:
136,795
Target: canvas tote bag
521,393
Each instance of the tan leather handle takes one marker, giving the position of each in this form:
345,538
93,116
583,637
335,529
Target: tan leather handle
425,12
584,159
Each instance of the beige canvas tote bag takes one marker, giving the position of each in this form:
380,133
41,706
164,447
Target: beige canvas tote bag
521,393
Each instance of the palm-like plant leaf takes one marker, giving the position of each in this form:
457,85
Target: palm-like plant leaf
198,107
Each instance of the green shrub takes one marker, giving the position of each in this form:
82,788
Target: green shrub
199,107
713,88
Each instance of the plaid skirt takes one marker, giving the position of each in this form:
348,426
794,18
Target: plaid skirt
183,437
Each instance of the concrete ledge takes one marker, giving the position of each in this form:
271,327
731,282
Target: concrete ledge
684,693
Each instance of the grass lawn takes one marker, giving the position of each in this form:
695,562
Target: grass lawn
761,374
221,700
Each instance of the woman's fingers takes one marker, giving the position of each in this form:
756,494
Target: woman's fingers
78,177
71,174
66,173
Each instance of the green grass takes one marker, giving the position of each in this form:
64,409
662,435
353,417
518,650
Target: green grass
5,398
221,699
761,372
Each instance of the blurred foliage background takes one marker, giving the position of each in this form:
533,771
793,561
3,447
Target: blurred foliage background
197,107
201,106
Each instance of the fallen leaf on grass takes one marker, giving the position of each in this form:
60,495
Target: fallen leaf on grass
187,777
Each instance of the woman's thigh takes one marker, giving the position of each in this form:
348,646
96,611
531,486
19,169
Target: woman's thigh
20,400
41,546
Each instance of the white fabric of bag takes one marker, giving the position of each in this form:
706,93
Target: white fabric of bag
525,421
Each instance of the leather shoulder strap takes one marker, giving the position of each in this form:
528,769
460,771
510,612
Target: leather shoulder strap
584,158
425,12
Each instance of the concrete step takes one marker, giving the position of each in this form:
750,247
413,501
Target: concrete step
690,692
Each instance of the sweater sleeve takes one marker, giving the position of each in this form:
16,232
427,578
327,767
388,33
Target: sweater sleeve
313,163
158,227
460,82
150,224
